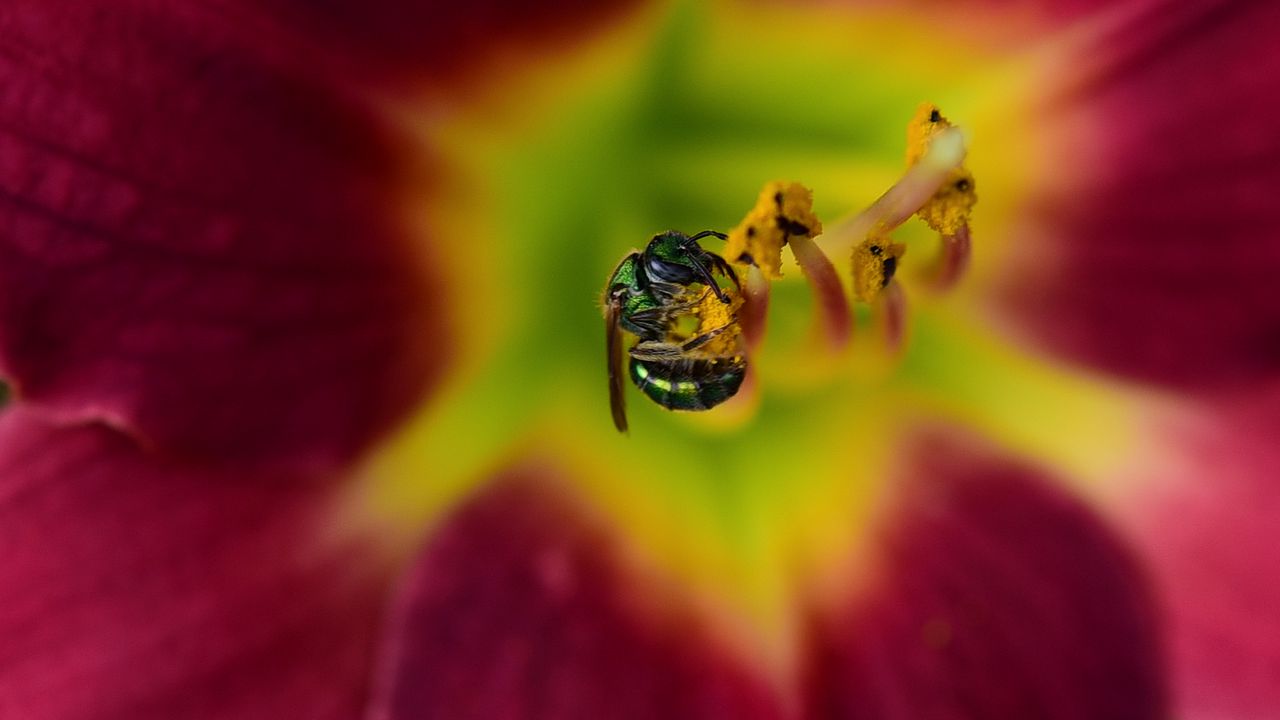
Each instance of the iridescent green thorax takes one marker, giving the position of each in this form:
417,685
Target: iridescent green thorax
636,304
634,295
625,275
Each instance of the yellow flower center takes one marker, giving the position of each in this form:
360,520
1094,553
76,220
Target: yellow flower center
532,187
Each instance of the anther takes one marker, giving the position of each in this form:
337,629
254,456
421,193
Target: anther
783,211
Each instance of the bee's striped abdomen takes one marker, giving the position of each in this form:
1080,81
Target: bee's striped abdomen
689,384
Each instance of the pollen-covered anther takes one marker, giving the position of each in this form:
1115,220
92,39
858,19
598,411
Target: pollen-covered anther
783,211
927,123
874,263
948,210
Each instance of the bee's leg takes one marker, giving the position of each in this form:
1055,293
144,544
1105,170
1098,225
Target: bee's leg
648,324
655,350
704,338
652,325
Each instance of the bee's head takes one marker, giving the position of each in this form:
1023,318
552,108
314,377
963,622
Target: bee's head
674,257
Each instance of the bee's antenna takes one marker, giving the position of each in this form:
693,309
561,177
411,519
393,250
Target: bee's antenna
705,272
709,233
710,280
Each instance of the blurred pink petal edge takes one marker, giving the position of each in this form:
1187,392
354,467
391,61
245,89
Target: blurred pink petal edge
1178,223
1209,534
136,588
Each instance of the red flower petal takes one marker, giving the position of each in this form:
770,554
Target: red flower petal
993,597
518,609
136,589
1212,535
197,236
440,39
1164,267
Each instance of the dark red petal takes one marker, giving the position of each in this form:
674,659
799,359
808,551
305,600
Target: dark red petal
198,235
1046,11
133,589
1210,523
1164,258
441,40
992,596
518,608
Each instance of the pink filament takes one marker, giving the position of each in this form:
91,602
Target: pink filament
832,304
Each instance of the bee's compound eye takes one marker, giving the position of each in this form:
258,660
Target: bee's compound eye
671,272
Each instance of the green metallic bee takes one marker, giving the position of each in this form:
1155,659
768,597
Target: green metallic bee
663,296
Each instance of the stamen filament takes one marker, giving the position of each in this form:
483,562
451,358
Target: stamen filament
889,314
755,292
918,184
953,261
832,304
783,215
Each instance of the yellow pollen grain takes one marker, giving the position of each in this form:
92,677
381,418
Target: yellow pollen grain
949,208
870,271
927,122
783,211
713,315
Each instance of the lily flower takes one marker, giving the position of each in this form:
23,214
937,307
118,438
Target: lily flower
306,411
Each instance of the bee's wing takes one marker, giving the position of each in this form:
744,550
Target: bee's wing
613,356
